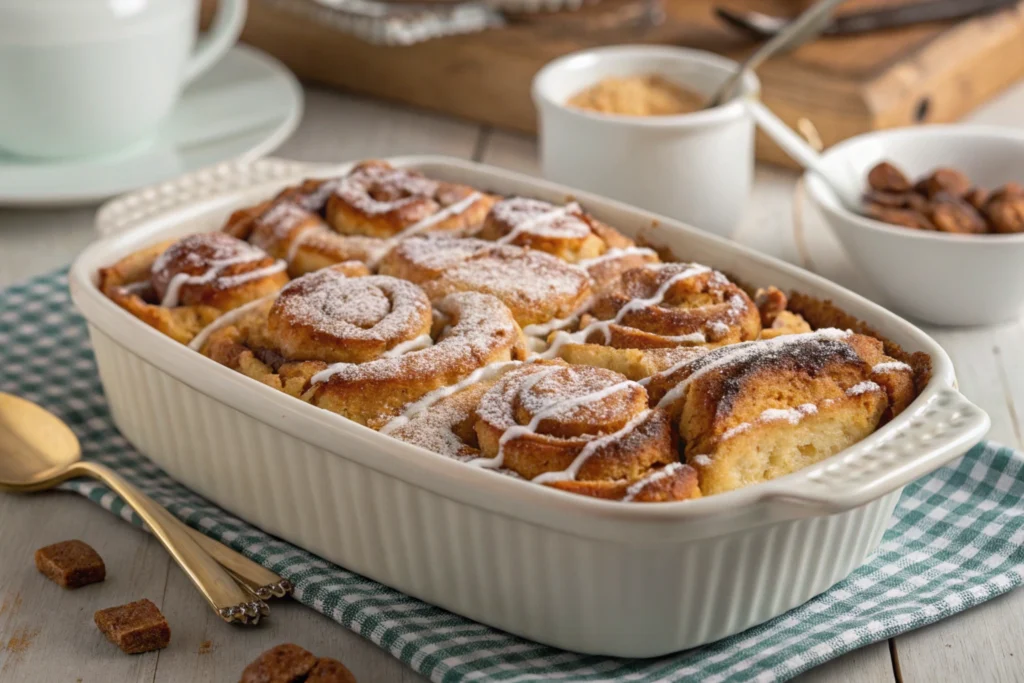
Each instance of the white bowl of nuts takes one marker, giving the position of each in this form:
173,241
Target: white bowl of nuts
942,228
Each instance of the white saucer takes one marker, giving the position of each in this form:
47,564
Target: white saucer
242,108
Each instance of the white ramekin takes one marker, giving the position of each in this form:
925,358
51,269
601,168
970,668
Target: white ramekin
696,167
936,277
578,573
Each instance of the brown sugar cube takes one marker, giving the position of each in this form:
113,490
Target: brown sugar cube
330,671
71,564
135,628
887,178
948,181
285,663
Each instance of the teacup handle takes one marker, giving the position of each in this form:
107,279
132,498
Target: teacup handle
218,39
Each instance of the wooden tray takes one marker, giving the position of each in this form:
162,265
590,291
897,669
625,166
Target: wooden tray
844,86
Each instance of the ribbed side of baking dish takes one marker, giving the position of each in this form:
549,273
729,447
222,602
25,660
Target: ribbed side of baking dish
546,585
581,574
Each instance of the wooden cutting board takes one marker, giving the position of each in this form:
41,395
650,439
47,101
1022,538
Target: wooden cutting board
847,85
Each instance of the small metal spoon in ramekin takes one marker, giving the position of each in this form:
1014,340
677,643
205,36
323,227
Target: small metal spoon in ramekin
38,452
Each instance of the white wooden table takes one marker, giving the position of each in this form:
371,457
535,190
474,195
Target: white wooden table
46,634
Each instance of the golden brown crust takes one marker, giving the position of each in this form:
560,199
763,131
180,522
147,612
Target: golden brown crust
535,286
378,200
356,324
562,231
141,283
545,419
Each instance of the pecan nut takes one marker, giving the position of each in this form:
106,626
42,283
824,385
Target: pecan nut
1006,214
951,214
947,181
887,178
908,218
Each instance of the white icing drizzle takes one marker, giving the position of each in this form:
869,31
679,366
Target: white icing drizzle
181,279
544,329
563,338
431,220
545,217
892,366
553,409
639,485
863,388
420,342
736,352
701,460
570,473
228,318
615,253
413,409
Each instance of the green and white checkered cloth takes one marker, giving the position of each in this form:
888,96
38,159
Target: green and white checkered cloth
956,540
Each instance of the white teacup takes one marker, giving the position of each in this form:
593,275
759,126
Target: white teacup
696,167
95,76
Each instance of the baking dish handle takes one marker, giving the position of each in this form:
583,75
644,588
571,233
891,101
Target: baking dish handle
136,207
943,429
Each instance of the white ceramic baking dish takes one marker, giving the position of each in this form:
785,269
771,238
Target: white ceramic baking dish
574,572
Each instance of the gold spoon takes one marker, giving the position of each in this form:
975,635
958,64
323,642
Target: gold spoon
38,451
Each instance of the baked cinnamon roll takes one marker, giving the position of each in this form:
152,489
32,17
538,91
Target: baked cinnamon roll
658,306
180,287
758,410
378,200
288,230
535,286
364,347
563,231
584,430
581,429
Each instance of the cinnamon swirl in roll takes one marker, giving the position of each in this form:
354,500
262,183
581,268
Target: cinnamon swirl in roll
180,287
579,429
535,286
288,230
563,231
378,200
364,347
659,306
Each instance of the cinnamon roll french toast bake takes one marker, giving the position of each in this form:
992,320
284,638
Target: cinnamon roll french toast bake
520,336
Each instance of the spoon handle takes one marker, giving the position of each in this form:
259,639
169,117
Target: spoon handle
257,579
805,27
799,151
228,599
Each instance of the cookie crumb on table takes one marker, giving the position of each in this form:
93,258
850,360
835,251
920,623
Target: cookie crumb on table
71,564
289,663
136,627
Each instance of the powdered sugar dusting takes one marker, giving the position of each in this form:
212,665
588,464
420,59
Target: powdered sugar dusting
862,388
375,190
532,216
892,366
791,415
